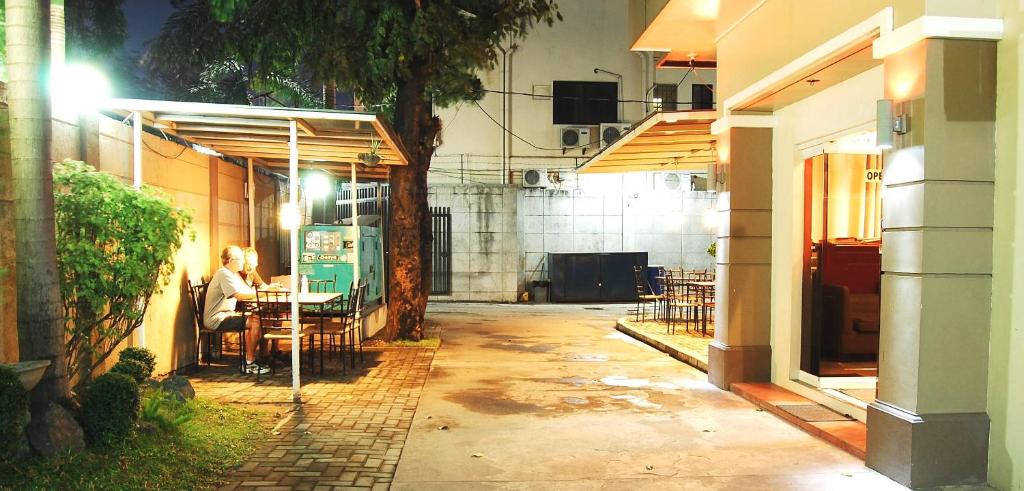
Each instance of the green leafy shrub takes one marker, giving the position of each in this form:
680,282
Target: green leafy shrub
142,355
132,368
115,250
110,407
13,412
163,410
713,249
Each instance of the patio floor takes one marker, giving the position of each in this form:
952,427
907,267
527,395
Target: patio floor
524,397
349,432
552,396
690,347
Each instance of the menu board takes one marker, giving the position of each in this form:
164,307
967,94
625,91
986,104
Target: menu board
323,241
325,246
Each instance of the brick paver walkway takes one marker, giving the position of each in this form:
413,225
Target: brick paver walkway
348,433
690,347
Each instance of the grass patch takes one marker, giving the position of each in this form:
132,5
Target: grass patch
431,342
195,456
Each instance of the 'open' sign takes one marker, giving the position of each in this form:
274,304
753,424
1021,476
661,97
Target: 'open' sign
873,175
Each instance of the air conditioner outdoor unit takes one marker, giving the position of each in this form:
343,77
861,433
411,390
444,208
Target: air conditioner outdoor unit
698,183
536,178
570,137
612,131
671,181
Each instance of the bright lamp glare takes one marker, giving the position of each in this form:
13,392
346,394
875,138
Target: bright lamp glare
78,89
316,185
710,219
290,216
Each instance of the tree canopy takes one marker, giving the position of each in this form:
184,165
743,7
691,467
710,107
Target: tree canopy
94,29
368,48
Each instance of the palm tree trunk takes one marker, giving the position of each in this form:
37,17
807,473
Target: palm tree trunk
40,330
8,285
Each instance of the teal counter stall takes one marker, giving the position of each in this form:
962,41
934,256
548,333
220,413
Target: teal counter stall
327,252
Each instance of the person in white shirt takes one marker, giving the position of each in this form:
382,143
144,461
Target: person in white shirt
226,288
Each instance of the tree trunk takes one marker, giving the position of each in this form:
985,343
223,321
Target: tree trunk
40,330
330,94
410,227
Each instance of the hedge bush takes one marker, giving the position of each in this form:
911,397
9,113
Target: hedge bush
132,368
141,355
110,407
13,412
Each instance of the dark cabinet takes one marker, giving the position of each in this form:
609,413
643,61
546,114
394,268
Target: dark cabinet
594,277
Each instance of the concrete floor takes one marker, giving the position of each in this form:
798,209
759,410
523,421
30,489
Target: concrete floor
551,396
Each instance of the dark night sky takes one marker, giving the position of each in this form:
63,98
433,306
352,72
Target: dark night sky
145,17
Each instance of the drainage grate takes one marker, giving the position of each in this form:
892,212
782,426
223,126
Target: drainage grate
813,413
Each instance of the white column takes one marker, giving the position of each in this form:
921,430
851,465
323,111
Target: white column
380,231
355,230
137,182
137,149
252,205
293,240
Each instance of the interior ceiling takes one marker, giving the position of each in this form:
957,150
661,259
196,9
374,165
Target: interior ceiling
664,141
844,65
683,28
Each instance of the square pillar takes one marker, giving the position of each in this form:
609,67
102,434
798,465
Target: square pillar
928,426
741,351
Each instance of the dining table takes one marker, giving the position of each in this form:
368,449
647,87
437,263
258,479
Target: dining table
319,304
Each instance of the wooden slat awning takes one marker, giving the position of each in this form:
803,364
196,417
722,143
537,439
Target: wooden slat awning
663,141
327,139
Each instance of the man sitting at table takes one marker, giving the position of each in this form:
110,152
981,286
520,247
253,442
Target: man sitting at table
225,289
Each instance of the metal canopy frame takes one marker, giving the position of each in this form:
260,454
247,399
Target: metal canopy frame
277,138
663,141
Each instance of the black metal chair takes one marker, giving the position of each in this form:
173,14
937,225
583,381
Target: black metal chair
275,314
678,301
197,298
642,296
323,286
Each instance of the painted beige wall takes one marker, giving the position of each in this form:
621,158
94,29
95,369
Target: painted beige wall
1006,353
183,175
594,34
778,31
844,107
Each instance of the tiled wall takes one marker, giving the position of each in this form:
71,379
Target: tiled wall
615,213
502,234
485,249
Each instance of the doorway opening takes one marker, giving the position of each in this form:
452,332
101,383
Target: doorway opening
841,275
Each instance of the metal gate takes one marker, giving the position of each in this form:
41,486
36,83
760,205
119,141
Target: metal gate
371,199
441,250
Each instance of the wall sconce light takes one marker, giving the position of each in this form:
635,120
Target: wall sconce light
886,124
290,216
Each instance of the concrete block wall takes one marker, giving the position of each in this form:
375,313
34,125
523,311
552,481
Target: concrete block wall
485,248
503,233
617,213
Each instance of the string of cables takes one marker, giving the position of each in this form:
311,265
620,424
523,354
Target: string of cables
517,137
576,98
183,146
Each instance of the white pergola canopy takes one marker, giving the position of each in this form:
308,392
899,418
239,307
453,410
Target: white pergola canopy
327,139
663,141
277,138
